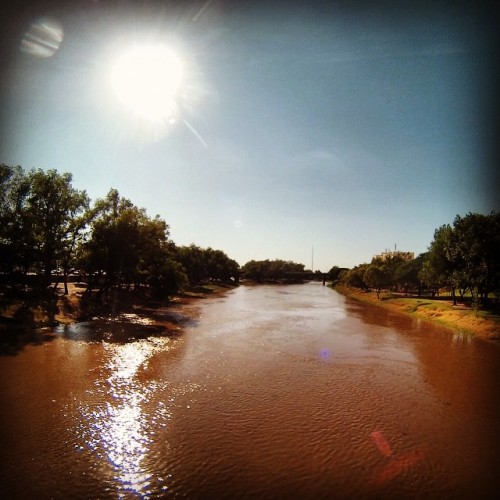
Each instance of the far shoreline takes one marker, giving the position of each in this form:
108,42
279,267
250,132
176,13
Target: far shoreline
463,318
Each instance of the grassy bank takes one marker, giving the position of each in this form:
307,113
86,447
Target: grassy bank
482,323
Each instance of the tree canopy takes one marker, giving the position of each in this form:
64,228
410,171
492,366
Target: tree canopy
273,271
463,257
49,229
40,220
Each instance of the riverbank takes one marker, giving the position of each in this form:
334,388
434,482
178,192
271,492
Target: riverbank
59,309
483,324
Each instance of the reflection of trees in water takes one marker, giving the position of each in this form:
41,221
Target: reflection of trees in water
13,343
458,381
123,328
378,316
462,374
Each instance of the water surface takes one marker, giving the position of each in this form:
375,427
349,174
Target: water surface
266,392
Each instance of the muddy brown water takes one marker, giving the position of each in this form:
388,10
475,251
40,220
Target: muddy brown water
266,392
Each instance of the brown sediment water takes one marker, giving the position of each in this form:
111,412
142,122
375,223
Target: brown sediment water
266,392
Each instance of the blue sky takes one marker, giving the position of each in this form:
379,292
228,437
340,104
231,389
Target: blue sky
300,124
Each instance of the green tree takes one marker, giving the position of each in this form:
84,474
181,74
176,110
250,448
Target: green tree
53,206
474,251
274,271
128,248
17,246
220,267
465,256
407,274
376,277
438,269
206,264
334,274
355,277
193,260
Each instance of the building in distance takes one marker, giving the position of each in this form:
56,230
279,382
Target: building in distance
396,254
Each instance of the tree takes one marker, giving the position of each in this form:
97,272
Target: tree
355,277
465,256
165,277
220,267
128,248
406,274
274,271
375,277
38,219
16,239
53,206
334,274
438,269
474,251
205,264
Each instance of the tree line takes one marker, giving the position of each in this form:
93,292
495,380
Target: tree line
274,271
50,230
463,258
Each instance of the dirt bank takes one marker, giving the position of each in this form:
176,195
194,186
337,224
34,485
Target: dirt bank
34,312
484,324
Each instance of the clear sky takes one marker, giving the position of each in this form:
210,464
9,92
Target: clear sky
297,124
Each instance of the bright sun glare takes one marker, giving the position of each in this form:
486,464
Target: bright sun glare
146,80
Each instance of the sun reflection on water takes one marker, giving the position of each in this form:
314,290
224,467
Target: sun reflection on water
121,429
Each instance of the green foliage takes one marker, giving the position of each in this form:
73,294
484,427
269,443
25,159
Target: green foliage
273,271
355,277
466,256
166,277
54,208
16,241
335,273
127,247
45,223
205,264
377,277
39,215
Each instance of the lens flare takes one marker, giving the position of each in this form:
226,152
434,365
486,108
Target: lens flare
43,38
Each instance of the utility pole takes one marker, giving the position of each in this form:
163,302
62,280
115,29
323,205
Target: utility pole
312,259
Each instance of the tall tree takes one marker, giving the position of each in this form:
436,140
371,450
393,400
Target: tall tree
128,248
355,277
205,264
475,250
53,206
438,270
376,276
16,238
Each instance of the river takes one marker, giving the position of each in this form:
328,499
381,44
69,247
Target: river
264,392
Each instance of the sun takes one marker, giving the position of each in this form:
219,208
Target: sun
147,79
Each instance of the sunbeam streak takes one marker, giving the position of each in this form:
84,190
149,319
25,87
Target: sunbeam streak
190,127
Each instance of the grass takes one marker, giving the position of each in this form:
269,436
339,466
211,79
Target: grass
481,323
